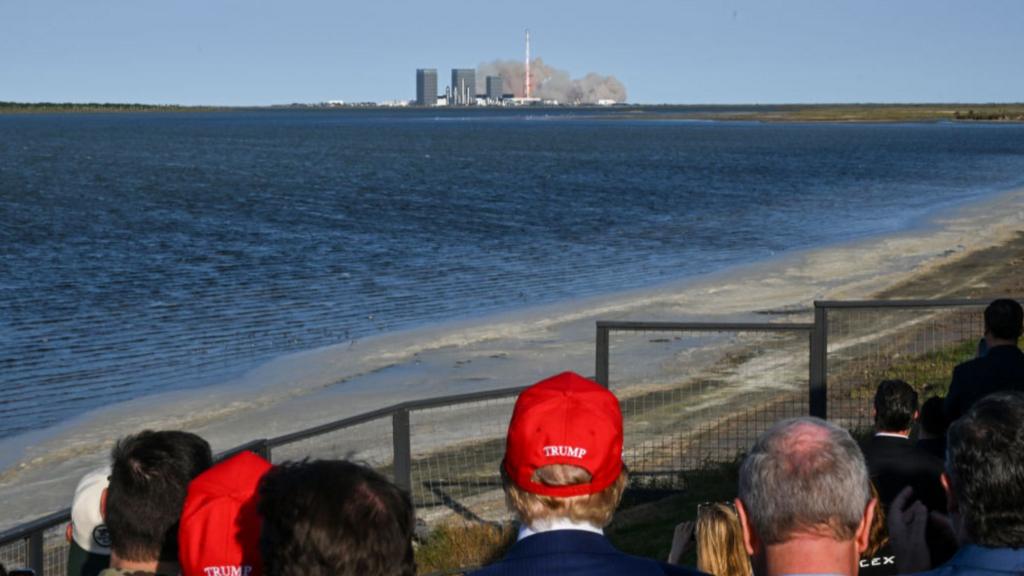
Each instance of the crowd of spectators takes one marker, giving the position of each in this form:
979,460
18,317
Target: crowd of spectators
810,499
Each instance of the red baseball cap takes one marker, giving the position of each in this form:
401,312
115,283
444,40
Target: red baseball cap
565,419
219,534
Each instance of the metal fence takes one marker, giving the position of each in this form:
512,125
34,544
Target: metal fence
919,341
693,395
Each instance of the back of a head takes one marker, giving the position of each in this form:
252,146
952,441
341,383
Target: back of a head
720,548
985,464
89,548
334,518
1004,319
563,453
895,405
220,526
804,476
149,477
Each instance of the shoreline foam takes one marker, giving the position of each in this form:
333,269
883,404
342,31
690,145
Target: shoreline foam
509,349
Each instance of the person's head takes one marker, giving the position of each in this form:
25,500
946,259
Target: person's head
933,418
895,406
88,538
220,526
149,477
805,478
984,475
334,518
720,548
563,453
1003,320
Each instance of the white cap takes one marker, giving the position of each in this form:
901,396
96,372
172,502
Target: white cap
87,527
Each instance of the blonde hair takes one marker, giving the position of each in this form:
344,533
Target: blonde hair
878,534
596,509
720,549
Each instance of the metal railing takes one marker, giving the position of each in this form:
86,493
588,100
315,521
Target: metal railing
700,396
693,399
864,342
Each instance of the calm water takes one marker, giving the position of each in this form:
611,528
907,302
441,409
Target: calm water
143,253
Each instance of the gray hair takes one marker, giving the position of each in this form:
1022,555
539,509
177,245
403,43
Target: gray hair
804,475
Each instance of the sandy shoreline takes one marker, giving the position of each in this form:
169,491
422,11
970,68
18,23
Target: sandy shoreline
951,256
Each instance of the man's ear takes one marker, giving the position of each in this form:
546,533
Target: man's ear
951,503
750,539
103,504
863,534
917,416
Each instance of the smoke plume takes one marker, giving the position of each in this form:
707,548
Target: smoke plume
551,83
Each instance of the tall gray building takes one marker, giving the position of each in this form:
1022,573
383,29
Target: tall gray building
495,87
426,86
463,86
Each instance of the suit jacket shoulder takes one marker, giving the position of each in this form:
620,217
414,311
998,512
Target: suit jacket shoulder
1001,369
973,560
895,463
575,553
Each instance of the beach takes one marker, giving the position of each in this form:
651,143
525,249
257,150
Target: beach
972,250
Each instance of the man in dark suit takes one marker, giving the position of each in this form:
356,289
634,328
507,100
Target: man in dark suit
894,461
984,479
563,477
1000,368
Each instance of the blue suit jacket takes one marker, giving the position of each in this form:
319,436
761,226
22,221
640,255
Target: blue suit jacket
978,561
572,553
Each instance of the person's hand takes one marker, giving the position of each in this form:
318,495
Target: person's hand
907,524
682,541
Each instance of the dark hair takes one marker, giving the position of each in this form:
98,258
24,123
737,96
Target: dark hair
1004,319
933,417
985,464
149,477
895,404
334,518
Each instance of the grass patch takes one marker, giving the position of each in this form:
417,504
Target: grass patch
929,373
453,546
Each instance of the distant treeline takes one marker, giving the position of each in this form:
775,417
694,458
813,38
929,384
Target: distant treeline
1015,113
97,107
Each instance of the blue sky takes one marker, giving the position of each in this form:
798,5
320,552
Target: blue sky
676,51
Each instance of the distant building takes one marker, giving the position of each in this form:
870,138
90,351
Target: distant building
463,86
426,86
495,88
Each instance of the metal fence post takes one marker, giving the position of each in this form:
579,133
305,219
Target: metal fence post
34,551
263,449
403,449
818,393
601,370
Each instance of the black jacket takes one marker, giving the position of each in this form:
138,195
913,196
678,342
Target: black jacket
1002,369
895,463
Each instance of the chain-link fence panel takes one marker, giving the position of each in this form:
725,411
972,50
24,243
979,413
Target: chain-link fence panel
14,554
456,452
696,399
55,551
920,345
